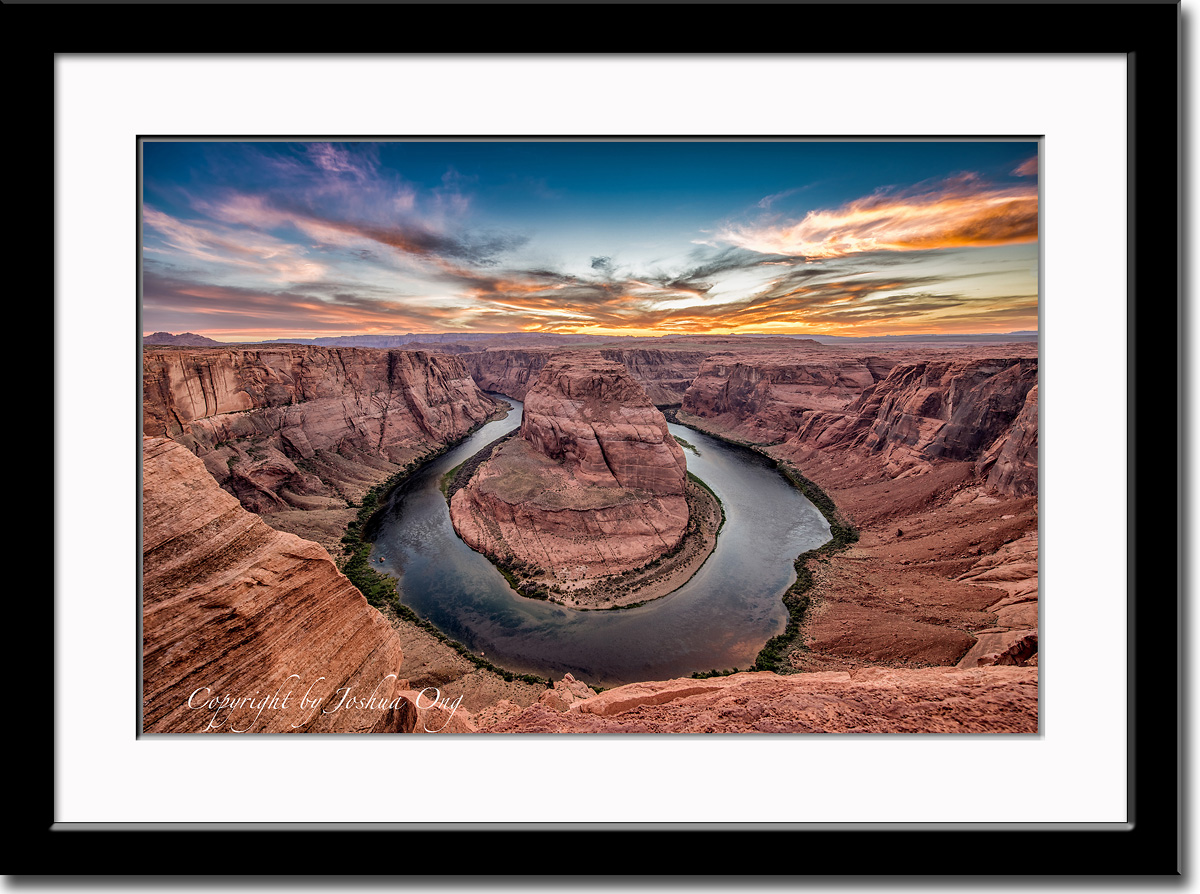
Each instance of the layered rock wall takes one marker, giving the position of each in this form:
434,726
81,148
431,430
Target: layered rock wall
664,374
237,617
1011,463
765,398
592,486
935,463
924,413
910,414
598,423
307,427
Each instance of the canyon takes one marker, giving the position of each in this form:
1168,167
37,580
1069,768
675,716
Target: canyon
299,434
592,486
664,373
935,463
255,457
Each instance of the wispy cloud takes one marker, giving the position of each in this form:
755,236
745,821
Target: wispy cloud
829,294
265,255
329,239
767,201
1027,169
963,211
235,311
414,238
362,165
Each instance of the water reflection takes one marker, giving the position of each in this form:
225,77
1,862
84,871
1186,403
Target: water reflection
718,619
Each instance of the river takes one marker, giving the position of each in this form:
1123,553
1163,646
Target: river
719,619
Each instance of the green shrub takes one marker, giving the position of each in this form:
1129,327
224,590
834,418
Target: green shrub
380,590
797,599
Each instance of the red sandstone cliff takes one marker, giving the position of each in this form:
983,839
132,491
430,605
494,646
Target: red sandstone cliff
947,562
307,427
594,484
1011,463
910,414
936,463
765,397
234,610
664,374
592,417
509,371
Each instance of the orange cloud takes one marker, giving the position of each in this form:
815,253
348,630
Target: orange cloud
960,213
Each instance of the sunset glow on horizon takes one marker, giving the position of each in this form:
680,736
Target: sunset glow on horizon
246,242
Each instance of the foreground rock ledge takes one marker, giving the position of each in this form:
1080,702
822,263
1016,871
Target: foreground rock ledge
593,485
869,700
232,609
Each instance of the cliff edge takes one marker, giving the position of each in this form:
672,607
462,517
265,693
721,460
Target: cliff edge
594,484
247,629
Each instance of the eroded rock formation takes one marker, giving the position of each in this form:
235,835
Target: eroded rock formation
935,461
663,373
1012,570
299,433
247,629
766,397
1011,463
593,485
911,414
869,700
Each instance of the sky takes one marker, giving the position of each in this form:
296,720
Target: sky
251,241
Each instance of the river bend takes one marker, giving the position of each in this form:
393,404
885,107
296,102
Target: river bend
719,619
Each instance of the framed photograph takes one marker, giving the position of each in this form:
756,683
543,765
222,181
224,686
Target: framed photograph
746,444
662,489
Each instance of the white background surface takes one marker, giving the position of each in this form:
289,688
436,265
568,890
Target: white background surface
1076,768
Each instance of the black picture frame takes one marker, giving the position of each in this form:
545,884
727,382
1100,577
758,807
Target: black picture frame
1148,844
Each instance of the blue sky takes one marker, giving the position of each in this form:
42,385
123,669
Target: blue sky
248,241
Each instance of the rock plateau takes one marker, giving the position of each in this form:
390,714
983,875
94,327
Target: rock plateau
593,485
664,373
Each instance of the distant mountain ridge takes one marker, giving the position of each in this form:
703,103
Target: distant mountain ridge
436,338
186,339
455,342
1024,335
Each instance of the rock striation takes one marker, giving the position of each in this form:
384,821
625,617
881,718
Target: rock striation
925,412
909,414
305,427
664,373
1013,571
510,371
766,397
593,485
591,417
867,700
247,629
935,462
1011,463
